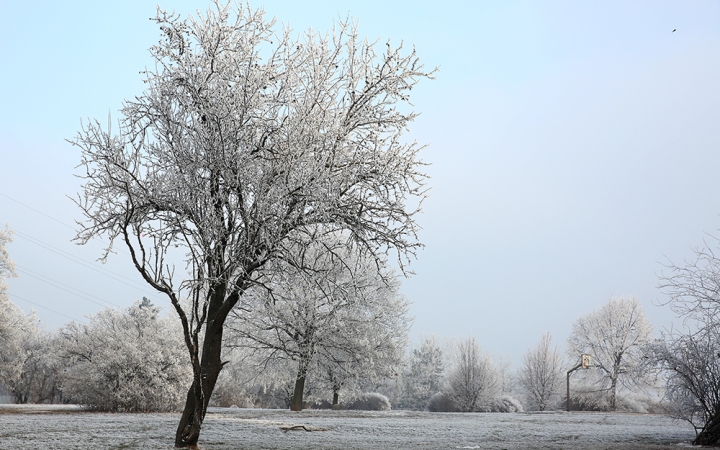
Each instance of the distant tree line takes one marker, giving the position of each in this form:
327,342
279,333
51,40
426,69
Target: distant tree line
317,333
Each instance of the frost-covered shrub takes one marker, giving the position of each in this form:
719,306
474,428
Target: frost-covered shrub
320,404
128,360
441,402
638,403
588,401
226,395
370,402
506,404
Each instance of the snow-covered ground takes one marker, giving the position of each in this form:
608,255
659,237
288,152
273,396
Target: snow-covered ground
230,428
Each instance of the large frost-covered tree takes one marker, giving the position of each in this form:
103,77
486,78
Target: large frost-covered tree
327,307
245,142
615,336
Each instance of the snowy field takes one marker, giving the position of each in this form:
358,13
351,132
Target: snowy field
229,428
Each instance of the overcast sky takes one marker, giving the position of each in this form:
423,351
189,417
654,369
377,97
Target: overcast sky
573,149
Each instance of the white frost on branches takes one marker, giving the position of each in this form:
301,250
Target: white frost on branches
128,360
473,383
331,309
541,374
615,336
245,142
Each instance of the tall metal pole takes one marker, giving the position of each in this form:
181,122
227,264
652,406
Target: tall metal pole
567,399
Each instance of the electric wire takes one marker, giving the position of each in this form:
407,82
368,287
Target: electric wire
52,218
101,270
39,212
45,307
106,272
64,287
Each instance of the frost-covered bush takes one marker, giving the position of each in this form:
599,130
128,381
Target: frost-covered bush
16,329
644,403
13,322
371,401
588,401
506,404
253,379
441,402
28,361
320,404
128,360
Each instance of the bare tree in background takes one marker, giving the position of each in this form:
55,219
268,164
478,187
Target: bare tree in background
615,336
424,374
473,383
691,357
541,375
331,307
245,143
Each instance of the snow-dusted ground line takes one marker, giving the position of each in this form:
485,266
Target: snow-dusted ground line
230,428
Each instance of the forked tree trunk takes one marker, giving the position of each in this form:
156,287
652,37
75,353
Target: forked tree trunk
188,431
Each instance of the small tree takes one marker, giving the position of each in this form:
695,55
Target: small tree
541,375
692,364
424,375
329,308
128,360
615,337
40,367
691,357
473,383
245,142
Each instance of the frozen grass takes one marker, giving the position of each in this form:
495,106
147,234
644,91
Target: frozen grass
232,428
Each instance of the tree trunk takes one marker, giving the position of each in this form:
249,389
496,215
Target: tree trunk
297,400
613,393
188,431
336,396
710,433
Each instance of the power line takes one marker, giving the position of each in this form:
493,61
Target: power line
52,218
37,211
82,262
66,288
45,307
103,271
